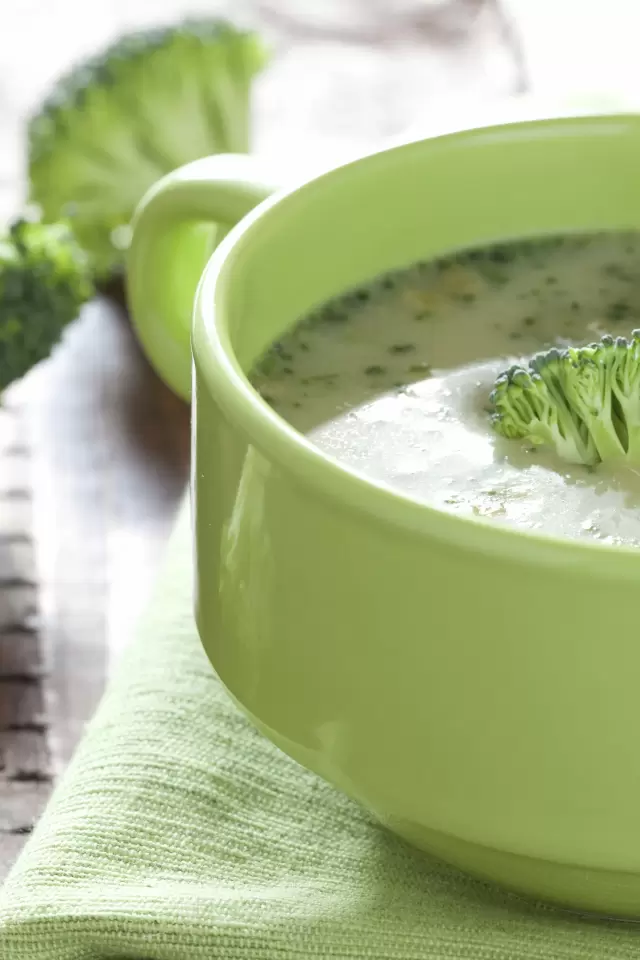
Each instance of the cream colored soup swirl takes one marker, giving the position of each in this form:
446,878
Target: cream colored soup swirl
393,379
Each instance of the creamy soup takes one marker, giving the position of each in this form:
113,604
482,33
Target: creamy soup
393,379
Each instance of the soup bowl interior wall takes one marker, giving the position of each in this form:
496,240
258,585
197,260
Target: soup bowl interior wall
475,687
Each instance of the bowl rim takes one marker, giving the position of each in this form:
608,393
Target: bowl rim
215,362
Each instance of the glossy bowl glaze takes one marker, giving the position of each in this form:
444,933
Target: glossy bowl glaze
474,686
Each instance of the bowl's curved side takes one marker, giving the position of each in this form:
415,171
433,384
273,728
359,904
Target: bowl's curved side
457,679
604,893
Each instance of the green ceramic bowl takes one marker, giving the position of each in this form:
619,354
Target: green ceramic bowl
474,686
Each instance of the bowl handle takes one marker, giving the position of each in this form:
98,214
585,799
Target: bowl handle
176,227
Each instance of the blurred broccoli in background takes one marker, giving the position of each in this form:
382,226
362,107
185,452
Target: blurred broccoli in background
44,280
151,102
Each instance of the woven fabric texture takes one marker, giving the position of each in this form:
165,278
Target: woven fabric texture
180,833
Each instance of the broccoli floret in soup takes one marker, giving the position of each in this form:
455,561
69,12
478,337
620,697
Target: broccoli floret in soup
583,402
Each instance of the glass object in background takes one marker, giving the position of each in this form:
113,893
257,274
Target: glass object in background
372,19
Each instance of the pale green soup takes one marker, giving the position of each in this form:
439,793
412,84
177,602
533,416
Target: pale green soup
393,379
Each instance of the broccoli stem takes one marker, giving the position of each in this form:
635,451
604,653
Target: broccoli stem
606,440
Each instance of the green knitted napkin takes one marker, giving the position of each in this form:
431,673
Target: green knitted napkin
179,832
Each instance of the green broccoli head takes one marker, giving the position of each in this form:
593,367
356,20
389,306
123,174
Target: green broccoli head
151,102
527,404
44,280
584,402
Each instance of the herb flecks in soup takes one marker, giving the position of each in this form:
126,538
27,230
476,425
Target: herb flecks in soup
393,379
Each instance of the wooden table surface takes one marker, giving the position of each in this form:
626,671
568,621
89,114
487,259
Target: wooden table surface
93,448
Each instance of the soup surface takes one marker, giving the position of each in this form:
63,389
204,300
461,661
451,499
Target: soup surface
393,379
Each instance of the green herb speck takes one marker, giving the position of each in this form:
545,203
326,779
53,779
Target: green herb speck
465,297
328,378
551,281
529,321
388,283
375,370
362,295
424,369
515,335
422,316
287,370
402,348
281,352
493,273
501,254
575,306
334,315
266,366
304,346
617,311
617,271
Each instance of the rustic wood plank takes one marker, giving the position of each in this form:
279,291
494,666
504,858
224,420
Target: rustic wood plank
10,846
18,601
111,454
21,706
22,804
70,519
24,757
25,775
20,656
